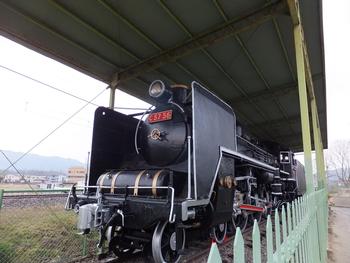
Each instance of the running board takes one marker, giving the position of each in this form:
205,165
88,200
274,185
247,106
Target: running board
252,208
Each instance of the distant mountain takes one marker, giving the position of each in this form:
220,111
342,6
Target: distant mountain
38,162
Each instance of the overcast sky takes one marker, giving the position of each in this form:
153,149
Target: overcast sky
29,111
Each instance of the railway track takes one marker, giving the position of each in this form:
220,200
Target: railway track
202,255
29,200
196,252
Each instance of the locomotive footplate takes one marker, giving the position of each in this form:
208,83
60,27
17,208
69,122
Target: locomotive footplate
130,211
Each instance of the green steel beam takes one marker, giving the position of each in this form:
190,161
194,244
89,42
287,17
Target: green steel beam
318,145
112,96
277,91
281,121
304,108
210,37
296,18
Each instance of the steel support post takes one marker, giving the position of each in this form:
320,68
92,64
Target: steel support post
112,96
304,108
318,144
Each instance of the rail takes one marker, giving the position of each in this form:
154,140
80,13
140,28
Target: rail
302,237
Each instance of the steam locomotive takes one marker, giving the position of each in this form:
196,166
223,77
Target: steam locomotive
182,164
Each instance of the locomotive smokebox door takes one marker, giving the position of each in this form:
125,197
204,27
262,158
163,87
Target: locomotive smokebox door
162,136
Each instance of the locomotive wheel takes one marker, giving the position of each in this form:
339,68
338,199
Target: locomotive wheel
164,243
270,205
254,215
218,232
240,220
121,247
239,217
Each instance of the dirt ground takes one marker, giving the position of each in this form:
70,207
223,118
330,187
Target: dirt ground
339,228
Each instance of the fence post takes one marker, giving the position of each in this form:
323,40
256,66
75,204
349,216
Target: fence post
278,237
84,245
285,249
288,225
295,234
299,227
214,254
269,240
1,197
238,247
256,243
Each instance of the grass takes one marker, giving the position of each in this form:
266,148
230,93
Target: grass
40,235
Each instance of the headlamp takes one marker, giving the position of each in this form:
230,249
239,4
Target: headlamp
159,91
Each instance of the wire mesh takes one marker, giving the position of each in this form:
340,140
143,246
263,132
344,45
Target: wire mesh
39,229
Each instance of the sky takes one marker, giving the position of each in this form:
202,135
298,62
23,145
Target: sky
29,111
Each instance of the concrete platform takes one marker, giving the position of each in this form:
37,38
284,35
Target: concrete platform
339,230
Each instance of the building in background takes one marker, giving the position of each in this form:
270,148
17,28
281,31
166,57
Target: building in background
76,175
12,178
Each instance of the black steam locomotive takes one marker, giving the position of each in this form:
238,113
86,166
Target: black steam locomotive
182,164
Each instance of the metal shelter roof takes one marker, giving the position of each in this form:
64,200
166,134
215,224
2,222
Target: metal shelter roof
241,50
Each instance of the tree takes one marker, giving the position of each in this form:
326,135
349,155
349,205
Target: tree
338,160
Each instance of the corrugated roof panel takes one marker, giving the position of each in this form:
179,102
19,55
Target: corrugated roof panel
266,51
195,21
238,7
152,20
106,22
102,38
204,69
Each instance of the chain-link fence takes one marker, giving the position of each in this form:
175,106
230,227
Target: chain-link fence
35,227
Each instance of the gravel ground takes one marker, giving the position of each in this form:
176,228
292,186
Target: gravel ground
22,201
198,251
339,228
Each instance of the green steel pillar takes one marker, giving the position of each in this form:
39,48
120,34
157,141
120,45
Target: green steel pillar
318,145
113,86
304,108
112,96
